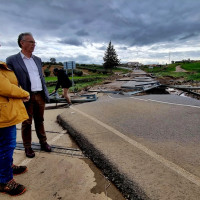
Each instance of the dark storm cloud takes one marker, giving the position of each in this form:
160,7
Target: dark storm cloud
191,35
73,42
82,33
131,22
127,23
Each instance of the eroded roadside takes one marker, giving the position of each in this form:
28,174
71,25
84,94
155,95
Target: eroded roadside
114,84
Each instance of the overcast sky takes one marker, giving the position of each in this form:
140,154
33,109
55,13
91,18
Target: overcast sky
146,31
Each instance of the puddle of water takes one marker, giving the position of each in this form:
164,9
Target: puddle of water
102,183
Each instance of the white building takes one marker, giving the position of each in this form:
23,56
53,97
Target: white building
134,64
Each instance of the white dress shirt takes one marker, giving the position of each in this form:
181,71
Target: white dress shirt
33,72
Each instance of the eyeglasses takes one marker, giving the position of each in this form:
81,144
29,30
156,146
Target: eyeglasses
31,42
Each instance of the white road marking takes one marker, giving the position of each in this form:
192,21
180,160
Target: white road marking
26,161
164,102
167,102
194,179
55,138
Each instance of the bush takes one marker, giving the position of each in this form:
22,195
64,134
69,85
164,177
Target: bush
47,72
92,70
76,72
103,71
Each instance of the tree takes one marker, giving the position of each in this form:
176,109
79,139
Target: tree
110,58
53,60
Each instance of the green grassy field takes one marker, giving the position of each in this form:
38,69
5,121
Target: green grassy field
194,67
193,71
75,78
168,68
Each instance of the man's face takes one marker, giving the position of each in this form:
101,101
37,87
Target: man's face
28,44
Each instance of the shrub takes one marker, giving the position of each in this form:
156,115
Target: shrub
47,72
78,72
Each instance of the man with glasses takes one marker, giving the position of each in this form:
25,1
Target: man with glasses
28,69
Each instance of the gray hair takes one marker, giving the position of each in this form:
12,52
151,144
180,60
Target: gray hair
21,37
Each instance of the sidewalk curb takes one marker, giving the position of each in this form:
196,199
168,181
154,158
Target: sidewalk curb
127,187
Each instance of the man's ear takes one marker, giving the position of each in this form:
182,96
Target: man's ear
21,42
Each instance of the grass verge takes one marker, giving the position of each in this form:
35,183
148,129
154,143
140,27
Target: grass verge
192,74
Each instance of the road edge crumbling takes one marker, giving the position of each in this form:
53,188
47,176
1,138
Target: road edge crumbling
130,190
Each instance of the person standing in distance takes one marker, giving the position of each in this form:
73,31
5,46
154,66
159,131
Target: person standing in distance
28,70
64,82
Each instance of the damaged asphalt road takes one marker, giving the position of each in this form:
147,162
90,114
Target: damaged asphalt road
147,147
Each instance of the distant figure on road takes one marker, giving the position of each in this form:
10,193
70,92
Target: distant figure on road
64,82
12,112
28,69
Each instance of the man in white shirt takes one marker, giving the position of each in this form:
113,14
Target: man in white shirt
28,69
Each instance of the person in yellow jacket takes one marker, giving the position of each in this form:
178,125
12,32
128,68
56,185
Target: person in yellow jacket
12,112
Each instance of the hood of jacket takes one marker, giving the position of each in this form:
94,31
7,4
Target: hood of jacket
3,65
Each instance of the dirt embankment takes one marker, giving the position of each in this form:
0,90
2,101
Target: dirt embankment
170,80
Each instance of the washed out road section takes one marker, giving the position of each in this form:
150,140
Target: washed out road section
145,147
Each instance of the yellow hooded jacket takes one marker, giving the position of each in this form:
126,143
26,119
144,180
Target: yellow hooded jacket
12,109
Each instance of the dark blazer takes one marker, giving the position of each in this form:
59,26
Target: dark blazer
16,63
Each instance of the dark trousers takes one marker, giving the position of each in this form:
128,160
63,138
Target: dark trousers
35,109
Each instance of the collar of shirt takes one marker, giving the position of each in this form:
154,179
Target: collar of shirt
24,57
36,84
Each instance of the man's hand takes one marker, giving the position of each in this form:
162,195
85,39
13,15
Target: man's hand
26,99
